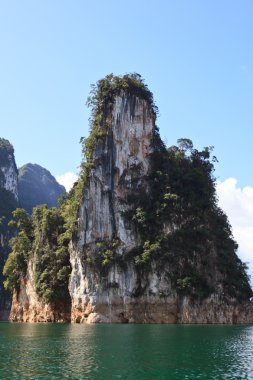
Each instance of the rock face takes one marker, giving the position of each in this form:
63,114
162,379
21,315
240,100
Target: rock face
8,202
121,164
37,186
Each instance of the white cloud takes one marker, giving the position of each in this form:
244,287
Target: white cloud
67,180
237,203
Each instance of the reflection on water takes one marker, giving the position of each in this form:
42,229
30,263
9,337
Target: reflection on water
78,352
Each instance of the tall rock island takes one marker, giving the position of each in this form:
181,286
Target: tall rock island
106,236
140,238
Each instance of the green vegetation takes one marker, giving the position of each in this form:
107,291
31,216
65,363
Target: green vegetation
50,250
103,254
16,265
190,232
103,95
42,238
8,204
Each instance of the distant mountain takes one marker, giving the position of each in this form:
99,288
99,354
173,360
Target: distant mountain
37,186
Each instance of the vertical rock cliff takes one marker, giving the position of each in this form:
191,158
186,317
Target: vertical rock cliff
8,202
121,164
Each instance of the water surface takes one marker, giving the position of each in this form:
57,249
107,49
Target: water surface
171,352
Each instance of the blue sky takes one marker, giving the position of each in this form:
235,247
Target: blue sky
196,57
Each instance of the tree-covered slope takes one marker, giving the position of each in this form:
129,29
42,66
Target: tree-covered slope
37,186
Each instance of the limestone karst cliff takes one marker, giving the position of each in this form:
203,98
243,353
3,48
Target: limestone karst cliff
140,234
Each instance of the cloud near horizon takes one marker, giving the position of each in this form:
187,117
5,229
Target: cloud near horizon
67,180
236,202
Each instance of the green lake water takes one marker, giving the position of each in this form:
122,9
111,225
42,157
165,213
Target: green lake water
78,352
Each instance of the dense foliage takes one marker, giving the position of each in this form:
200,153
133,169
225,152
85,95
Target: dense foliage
8,203
16,265
41,238
181,224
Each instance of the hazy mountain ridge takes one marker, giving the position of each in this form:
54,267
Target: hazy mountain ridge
37,186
